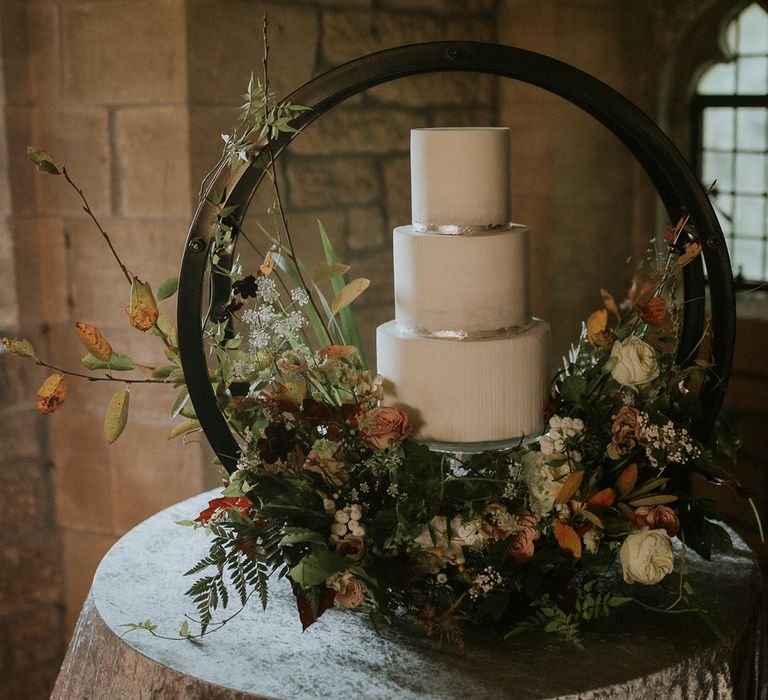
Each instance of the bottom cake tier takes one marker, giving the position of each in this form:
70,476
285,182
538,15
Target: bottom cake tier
486,390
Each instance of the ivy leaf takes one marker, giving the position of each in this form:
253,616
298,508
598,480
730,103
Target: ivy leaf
314,568
167,288
43,161
96,344
117,362
52,393
143,309
348,294
20,347
116,416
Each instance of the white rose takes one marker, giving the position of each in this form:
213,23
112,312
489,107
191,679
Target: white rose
635,362
541,481
467,532
647,556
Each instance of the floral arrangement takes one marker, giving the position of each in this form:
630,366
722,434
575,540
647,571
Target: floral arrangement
334,492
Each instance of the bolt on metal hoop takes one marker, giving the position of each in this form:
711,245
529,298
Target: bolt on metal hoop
677,185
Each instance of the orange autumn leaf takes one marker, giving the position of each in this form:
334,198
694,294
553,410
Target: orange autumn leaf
334,352
567,539
596,324
143,310
94,341
603,498
269,262
610,303
51,393
570,485
691,251
627,480
671,232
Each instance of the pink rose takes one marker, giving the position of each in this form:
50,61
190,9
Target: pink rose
520,546
521,541
658,518
352,594
385,425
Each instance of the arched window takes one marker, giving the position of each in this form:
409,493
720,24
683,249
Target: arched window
730,139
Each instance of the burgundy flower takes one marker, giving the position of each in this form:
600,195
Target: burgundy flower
277,443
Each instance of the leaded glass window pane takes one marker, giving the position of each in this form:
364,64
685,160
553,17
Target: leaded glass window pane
730,115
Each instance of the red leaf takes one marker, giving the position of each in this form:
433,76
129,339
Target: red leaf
306,614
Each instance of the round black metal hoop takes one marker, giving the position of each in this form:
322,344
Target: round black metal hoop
675,182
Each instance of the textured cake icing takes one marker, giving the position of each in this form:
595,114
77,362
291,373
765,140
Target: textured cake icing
463,355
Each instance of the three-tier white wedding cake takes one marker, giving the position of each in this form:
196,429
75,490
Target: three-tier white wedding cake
463,355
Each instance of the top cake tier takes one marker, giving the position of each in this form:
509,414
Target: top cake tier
459,178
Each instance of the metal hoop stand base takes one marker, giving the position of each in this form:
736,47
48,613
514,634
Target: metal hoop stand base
673,178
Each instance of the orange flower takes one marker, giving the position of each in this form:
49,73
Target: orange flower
385,425
654,311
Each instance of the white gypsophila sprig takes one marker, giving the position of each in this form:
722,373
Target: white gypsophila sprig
299,296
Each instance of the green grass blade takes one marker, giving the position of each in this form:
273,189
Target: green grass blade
346,315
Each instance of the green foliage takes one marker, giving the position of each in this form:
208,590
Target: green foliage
43,161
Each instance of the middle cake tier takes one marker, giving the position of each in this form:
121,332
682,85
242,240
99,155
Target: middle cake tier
473,283
467,391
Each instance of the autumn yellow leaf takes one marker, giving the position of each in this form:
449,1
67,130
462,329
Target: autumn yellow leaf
269,262
19,347
610,303
691,251
567,538
116,416
94,341
348,294
570,485
143,309
293,391
51,393
596,323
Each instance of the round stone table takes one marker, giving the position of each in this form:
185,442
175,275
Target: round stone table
264,654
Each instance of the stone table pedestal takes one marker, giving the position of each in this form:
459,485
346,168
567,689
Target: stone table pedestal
265,654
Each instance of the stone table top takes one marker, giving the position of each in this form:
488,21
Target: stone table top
265,654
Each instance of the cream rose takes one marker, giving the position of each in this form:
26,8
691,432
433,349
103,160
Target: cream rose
647,556
384,425
542,481
635,362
